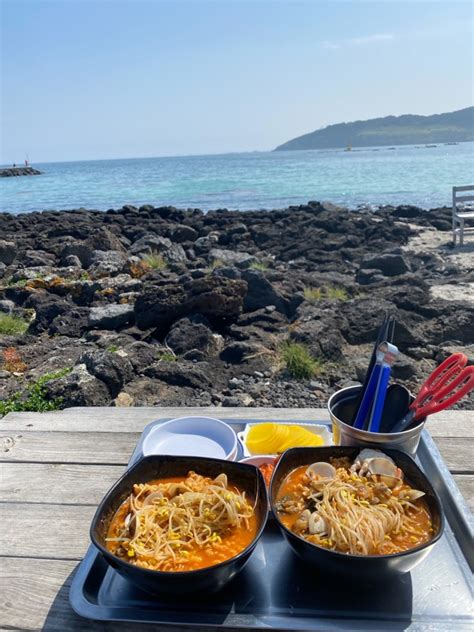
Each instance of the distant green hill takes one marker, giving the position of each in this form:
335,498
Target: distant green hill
408,129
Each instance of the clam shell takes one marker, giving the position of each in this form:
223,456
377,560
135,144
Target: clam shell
383,466
369,453
316,524
413,494
365,456
390,481
321,469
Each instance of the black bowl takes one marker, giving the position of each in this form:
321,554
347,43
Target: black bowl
346,563
208,579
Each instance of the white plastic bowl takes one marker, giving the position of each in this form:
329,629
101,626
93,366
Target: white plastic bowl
192,436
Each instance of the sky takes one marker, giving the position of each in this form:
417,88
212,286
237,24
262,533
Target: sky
94,79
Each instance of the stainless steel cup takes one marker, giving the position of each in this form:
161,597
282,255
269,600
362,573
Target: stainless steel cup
341,407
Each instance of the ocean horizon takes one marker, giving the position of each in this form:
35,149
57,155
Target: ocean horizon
405,174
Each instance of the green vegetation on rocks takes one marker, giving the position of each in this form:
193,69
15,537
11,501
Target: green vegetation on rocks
12,325
215,264
337,293
258,265
313,294
155,261
298,361
167,356
34,398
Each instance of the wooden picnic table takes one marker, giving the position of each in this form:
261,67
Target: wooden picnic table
55,468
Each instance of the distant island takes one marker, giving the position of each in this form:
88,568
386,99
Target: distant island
408,129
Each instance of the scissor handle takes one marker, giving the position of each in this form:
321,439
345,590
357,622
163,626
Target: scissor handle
449,395
441,376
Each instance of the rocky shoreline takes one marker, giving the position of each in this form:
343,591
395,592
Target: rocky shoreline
161,306
11,172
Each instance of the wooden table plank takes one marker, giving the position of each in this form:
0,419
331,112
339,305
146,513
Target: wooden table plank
58,532
54,471
448,423
56,483
67,447
116,448
457,453
108,419
35,596
465,482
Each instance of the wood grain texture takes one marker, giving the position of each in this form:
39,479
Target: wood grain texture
59,465
465,482
56,483
457,453
35,596
39,531
449,423
107,419
67,447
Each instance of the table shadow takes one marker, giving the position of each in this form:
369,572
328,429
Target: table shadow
304,590
105,592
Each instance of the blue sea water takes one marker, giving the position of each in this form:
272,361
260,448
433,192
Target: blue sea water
418,175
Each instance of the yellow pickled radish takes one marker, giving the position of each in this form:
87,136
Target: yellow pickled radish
301,437
263,438
273,438
282,434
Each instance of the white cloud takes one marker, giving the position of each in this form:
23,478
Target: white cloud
357,41
370,39
330,45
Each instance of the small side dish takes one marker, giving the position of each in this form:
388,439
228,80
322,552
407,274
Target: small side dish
266,463
275,438
267,471
183,523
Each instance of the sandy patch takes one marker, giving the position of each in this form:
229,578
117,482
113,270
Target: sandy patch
459,293
437,242
430,239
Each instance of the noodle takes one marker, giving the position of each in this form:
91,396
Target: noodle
351,513
182,523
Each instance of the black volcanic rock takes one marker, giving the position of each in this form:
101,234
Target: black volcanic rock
72,323
111,316
111,368
46,307
261,293
79,388
389,264
7,252
181,373
187,334
83,281
160,306
10,172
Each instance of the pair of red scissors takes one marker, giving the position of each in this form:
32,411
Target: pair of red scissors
448,383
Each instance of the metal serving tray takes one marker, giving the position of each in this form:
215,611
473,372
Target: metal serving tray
277,591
